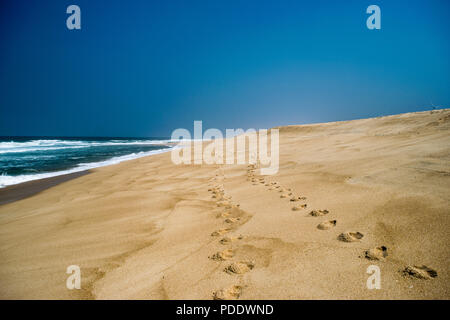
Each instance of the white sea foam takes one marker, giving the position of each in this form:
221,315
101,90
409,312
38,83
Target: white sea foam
6,180
45,145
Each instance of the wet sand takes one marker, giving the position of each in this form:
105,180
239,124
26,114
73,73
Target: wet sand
29,188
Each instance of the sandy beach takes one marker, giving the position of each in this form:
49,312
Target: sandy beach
347,195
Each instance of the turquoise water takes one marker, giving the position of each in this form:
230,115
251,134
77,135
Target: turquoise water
31,158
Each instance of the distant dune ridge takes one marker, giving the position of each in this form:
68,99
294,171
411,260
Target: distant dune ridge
347,195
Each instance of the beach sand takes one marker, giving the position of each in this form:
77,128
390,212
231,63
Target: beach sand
376,193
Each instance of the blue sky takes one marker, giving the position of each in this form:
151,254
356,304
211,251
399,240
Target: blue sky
145,68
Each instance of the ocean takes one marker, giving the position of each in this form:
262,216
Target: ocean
31,158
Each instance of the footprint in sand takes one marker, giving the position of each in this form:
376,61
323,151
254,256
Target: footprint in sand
225,204
420,272
220,232
232,220
228,240
239,267
226,254
299,207
350,236
223,215
318,213
326,225
230,293
378,253
298,198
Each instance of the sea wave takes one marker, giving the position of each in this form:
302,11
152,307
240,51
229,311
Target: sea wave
7,180
46,145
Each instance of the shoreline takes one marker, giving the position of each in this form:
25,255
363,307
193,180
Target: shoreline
90,166
27,189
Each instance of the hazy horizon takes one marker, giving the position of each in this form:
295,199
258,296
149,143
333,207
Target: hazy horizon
168,136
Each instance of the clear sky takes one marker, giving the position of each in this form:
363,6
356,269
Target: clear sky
145,68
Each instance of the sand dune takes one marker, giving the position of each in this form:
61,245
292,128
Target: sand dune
149,229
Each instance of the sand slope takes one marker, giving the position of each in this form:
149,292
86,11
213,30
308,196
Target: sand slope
147,229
